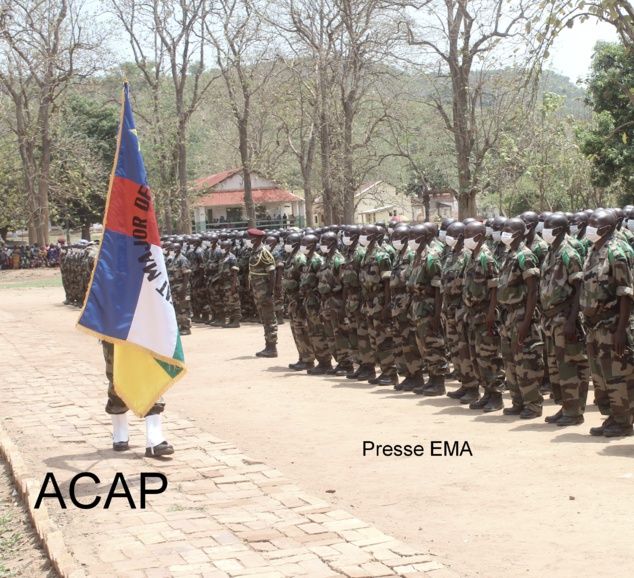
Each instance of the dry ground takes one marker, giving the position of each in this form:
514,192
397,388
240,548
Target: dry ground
533,500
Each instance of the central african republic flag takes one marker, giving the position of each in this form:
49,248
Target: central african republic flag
129,302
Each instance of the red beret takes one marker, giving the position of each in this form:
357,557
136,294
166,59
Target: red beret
256,232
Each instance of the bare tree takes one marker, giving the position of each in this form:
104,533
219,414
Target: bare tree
464,44
238,34
44,45
168,43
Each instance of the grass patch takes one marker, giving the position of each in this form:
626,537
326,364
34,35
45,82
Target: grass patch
26,284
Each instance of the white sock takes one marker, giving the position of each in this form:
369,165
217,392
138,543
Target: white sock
153,431
120,427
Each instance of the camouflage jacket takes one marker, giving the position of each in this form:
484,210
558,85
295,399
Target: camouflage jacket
424,277
291,278
261,263
350,277
309,282
499,252
561,268
540,249
211,260
176,271
480,276
398,281
606,277
519,265
227,264
453,278
375,267
330,282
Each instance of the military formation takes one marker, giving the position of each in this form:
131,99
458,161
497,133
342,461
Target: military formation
522,308
76,263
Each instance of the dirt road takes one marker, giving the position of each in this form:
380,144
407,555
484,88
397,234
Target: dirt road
531,500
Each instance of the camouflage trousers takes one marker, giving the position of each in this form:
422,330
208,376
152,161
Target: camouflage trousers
523,363
279,303
431,346
568,366
183,308
265,305
115,405
216,298
317,336
199,295
299,329
408,359
337,336
247,303
613,377
452,339
358,334
230,304
484,351
381,341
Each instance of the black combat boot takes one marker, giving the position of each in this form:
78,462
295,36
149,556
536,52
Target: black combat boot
458,393
269,351
366,373
342,370
387,379
355,374
495,402
554,418
301,365
531,412
515,409
321,369
415,382
435,386
481,402
472,395
616,430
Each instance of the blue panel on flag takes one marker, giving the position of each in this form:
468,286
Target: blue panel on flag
130,161
116,286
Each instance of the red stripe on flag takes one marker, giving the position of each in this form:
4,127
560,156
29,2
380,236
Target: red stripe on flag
131,211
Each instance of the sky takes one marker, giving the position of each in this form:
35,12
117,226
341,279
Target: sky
571,54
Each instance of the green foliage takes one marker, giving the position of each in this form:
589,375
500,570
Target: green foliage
608,142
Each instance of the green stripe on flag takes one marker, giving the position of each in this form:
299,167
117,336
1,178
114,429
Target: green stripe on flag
171,370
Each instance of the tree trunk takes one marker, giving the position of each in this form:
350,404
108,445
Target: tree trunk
246,170
308,197
324,131
348,165
85,231
186,218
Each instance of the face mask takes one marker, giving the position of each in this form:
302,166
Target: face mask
470,243
549,236
540,227
398,244
592,234
347,241
574,229
390,230
324,249
413,244
442,235
489,231
497,235
363,241
304,249
288,248
451,241
248,243
630,224
506,238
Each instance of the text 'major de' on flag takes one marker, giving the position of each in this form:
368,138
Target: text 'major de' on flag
129,300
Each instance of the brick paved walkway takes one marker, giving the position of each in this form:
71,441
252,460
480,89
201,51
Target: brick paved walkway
224,514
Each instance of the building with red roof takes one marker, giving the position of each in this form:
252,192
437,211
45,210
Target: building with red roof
221,202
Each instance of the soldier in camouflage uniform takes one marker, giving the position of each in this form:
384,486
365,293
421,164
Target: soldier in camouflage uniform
559,289
246,296
228,284
424,284
454,308
198,286
605,302
293,270
480,284
262,283
272,242
330,287
408,358
213,283
309,289
578,225
179,272
499,249
521,345
374,277
353,317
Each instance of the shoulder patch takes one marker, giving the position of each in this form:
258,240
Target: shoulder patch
521,259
